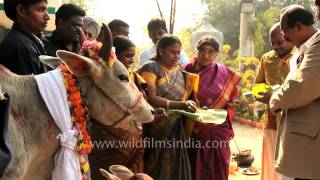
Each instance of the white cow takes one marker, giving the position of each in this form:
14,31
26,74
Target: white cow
31,127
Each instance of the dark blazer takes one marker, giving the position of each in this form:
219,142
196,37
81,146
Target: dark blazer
20,51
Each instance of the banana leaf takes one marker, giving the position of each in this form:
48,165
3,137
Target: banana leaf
216,116
262,88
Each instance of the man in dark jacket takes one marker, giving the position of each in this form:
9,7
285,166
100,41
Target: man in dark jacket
69,21
21,48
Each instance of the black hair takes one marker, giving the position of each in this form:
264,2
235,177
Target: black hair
122,43
166,41
10,6
208,40
116,24
66,11
294,14
157,23
317,2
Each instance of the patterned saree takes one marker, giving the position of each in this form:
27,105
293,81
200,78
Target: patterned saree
168,162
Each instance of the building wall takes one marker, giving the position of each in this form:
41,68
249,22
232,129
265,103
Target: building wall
53,5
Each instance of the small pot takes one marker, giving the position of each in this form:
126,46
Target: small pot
244,159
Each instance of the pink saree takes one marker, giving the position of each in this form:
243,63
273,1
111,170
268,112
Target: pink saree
217,87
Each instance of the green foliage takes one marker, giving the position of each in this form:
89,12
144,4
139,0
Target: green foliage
259,29
185,38
267,13
228,58
248,74
225,16
285,3
81,3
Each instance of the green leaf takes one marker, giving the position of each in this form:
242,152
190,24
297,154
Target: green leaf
216,116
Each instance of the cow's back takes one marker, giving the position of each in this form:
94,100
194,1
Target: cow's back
31,129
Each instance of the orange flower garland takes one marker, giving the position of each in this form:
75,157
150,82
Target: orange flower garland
79,115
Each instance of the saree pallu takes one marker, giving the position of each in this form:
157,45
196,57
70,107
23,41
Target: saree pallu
217,87
114,146
168,162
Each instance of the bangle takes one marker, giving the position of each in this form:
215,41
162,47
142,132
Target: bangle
168,104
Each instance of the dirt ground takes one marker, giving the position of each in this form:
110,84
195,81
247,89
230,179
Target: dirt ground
247,138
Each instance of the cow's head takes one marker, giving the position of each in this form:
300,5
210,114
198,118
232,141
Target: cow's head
113,98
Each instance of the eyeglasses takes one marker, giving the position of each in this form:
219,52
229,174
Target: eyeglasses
207,51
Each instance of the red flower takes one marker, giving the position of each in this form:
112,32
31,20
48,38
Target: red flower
78,111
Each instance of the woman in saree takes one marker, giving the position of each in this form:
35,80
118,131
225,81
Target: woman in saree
131,155
217,90
170,87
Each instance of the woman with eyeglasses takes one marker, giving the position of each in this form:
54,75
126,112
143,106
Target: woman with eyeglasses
217,90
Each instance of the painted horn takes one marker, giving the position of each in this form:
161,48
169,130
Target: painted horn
105,37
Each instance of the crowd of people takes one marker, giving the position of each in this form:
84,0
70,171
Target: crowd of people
169,80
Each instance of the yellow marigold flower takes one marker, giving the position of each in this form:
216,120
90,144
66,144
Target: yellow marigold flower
99,45
226,48
86,167
91,53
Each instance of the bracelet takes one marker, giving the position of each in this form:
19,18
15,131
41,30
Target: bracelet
168,104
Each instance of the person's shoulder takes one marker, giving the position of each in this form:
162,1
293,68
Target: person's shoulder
14,38
188,65
48,41
15,41
191,77
316,41
151,66
225,68
269,55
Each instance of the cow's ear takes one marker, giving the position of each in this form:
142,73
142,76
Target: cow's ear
79,65
52,62
121,172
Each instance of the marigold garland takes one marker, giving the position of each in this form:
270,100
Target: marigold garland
79,115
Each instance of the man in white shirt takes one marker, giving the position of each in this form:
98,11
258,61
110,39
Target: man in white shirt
156,28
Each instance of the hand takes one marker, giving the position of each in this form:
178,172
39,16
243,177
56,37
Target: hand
189,106
266,97
159,113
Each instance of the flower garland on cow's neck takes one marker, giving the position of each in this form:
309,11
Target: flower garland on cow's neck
79,115
78,105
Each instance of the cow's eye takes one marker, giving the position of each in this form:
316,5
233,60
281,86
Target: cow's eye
123,78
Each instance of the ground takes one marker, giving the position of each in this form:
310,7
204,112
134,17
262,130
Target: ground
247,138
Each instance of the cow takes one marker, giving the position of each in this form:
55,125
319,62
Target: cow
110,95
